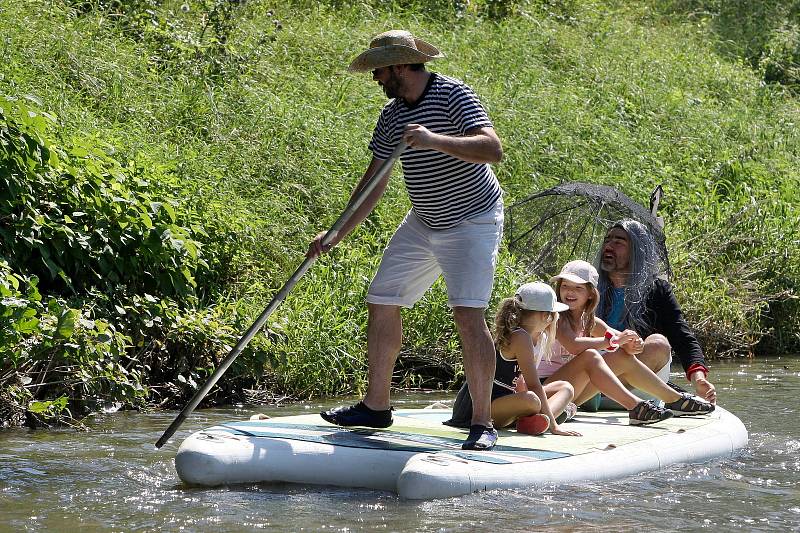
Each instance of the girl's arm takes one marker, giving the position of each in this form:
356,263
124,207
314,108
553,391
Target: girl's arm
575,344
599,328
629,341
521,346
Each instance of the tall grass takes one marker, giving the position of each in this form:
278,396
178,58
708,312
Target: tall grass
257,121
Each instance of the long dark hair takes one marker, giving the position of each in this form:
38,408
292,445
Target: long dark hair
643,264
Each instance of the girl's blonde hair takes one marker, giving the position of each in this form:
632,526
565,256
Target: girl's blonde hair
510,315
586,322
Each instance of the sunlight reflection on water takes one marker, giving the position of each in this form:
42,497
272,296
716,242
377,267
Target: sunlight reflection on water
111,479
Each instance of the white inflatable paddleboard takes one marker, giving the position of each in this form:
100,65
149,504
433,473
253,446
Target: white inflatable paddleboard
420,458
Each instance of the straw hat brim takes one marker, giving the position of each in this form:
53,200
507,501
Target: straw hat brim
385,56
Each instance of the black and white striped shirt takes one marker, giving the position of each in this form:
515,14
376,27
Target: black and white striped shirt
443,189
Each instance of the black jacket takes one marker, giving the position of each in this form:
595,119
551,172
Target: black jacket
663,315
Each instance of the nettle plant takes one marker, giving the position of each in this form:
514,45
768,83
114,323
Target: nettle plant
75,223
77,218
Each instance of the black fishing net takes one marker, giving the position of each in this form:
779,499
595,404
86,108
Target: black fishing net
570,220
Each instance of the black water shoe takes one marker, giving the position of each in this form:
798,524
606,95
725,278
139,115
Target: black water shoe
688,404
647,413
358,415
480,438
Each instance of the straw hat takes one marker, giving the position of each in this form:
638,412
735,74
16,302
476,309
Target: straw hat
394,47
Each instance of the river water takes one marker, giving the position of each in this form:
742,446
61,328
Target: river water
113,479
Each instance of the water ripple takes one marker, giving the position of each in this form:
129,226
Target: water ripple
112,479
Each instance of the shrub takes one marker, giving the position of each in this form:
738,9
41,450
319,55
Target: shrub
780,60
75,217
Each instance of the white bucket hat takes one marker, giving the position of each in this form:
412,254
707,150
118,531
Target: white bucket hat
538,296
578,272
394,47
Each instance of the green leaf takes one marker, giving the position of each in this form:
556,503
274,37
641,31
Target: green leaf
170,211
79,151
66,324
54,269
146,220
27,325
39,407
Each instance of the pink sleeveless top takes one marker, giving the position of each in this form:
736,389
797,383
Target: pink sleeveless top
559,357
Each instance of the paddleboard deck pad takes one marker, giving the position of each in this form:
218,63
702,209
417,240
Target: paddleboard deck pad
420,458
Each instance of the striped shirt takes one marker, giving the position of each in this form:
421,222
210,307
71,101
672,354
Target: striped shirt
443,189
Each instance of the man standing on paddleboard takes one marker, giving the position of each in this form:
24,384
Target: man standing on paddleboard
453,228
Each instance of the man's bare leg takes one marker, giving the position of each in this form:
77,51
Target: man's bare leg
479,360
384,338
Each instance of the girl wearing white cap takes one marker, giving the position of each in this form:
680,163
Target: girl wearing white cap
524,330
603,353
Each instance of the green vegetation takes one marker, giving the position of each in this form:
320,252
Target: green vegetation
164,164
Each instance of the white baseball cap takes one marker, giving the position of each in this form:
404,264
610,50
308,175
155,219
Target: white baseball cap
578,272
538,296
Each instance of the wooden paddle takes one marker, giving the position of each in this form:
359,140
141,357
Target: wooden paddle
356,202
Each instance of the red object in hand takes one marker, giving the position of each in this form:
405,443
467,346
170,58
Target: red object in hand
613,343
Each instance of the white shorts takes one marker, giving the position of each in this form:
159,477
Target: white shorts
416,255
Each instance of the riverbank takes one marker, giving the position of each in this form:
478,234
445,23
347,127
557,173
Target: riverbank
167,162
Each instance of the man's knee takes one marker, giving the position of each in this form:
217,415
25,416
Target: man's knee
470,321
380,309
385,323
657,352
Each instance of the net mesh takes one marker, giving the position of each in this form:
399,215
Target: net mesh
570,220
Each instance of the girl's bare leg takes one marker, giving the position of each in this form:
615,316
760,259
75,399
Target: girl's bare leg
631,370
588,373
559,394
506,409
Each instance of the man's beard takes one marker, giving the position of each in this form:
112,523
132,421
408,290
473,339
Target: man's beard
393,86
611,265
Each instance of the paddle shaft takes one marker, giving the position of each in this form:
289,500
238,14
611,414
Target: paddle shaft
358,199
